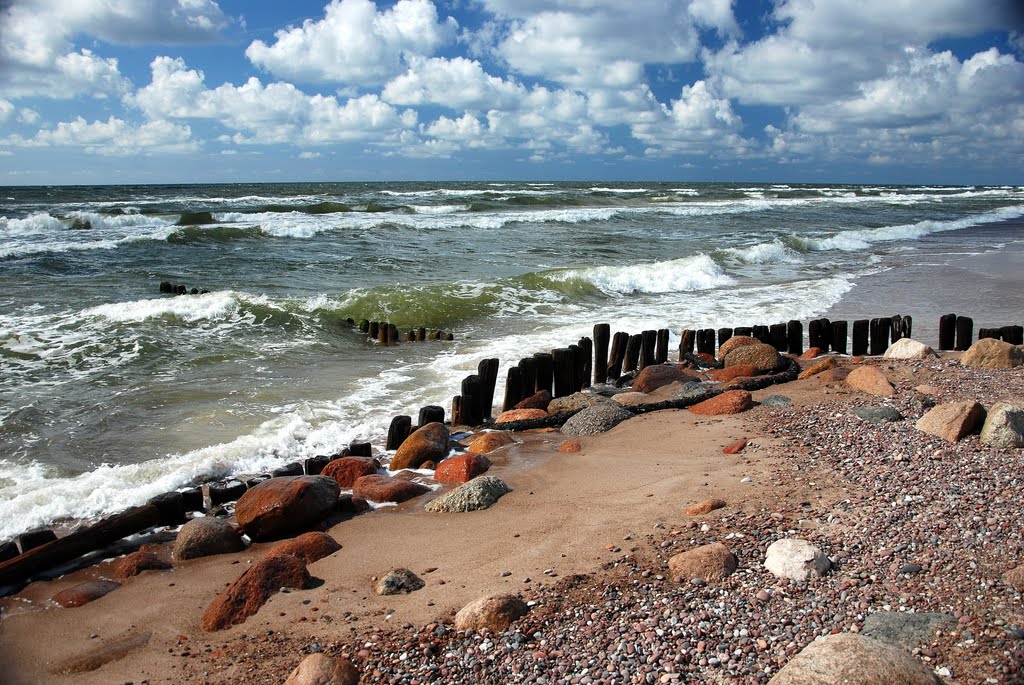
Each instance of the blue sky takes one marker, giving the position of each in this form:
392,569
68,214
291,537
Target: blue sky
169,91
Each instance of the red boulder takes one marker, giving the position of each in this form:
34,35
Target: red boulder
285,506
428,443
253,588
462,468
387,489
347,469
731,402
309,547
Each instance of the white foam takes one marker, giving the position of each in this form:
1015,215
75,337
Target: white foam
765,253
699,272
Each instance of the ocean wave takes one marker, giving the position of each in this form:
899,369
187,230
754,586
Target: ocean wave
774,252
699,272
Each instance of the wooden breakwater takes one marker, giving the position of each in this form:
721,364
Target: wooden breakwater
388,334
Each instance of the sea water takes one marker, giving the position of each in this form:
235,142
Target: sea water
111,392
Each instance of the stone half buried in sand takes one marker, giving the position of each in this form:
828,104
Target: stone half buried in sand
479,493
818,367
206,536
141,560
849,658
401,581
989,353
705,507
494,613
285,506
348,469
657,375
309,547
711,563
250,591
428,443
870,380
730,402
320,669
461,469
908,348
794,559
952,422
1004,426
83,593
378,488
596,419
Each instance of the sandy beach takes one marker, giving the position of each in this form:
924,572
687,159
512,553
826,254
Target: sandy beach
910,521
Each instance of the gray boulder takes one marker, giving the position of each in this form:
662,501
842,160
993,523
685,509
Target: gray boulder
597,419
877,414
203,537
576,401
1004,426
904,629
399,581
479,493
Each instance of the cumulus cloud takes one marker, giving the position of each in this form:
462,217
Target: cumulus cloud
697,122
456,83
354,44
114,137
6,111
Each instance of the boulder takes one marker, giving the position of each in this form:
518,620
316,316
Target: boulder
575,402
712,563
347,469
705,507
989,353
693,391
494,613
571,446
538,400
631,399
953,421
427,443
877,414
597,419
764,358
655,376
485,443
83,593
1015,578
251,590
812,353
387,489
850,658
730,402
309,547
202,537
286,506
1004,426
908,348
734,343
142,560
733,372
794,559
462,468
735,447
520,415
871,380
818,367
401,581
904,629
320,669
351,504
479,493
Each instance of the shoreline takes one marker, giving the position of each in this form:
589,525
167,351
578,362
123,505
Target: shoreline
566,515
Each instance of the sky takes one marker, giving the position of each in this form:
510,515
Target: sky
192,91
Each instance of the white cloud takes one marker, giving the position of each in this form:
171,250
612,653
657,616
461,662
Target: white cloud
306,154
6,111
354,43
696,123
457,83
114,137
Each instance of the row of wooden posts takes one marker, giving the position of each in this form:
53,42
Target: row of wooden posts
388,333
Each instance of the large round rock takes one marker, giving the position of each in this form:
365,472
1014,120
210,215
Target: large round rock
763,358
597,419
203,537
286,506
494,613
429,443
849,658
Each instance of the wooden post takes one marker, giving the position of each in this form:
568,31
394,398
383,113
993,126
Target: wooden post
947,331
472,400
964,332
564,361
457,418
392,334
431,414
373,330
401,427
661,353
907,326
545,371
762,334
686,341
410,336
421,334
632,353
839,331
745,331
528,369
1012,334
777,332
648,340
795,337
896,328
706,341
723,335
861,329
577,367
360,449
879,336
820,334
364,326
585,361
619,343
488,371
513,388
602,336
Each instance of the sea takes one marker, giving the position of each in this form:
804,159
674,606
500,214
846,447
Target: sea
112,392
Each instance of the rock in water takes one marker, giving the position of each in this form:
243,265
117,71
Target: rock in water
286,506
596,419
400,581
427,443
206,536
348,469
989,353
253,588
711,563
1004,426
796,560
908,348
871,380
320,669
479,493
461,469
849,658
494,613
485,443
953,421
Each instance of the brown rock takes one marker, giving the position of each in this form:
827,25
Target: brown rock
731,402
350,504
462,468
1015,578
818,367
712,563
989,353
735,447
952,422
309,547
135,563
538,400
657,375
427,443
347,469
387,489
520,415
849,658
485,443
733,372
495,613
83,593
285,506
835,375
705,507
812,352
571,445
762,357
205,536
871,380
320,669
251,590
735,342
